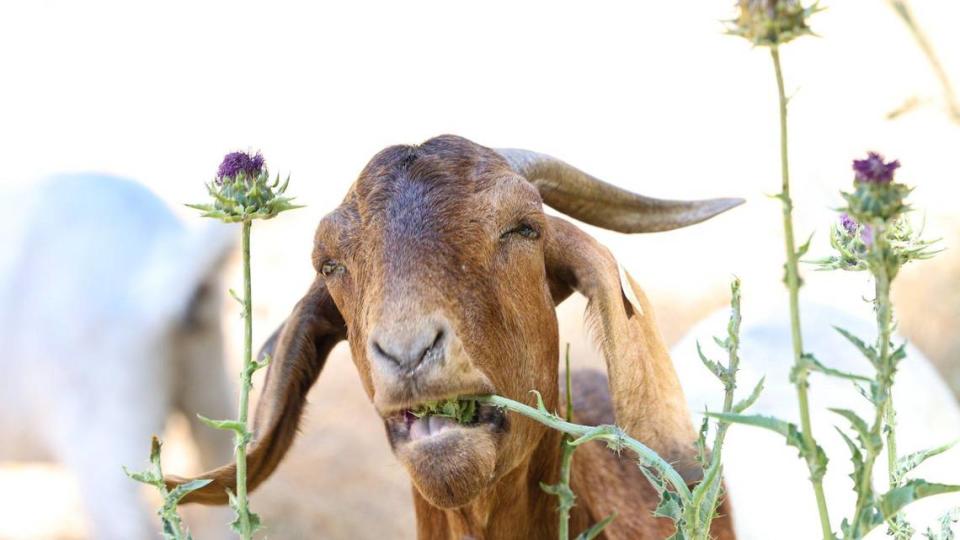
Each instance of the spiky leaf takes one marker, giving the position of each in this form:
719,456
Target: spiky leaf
745,404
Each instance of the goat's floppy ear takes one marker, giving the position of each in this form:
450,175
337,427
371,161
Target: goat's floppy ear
299,350
647,398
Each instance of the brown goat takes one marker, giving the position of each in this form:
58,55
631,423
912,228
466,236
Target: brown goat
442,271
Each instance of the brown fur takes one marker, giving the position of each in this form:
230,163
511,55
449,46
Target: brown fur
443,273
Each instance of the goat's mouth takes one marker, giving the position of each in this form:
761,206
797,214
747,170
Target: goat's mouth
430,420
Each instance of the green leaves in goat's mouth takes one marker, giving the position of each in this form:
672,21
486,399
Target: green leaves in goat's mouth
464,411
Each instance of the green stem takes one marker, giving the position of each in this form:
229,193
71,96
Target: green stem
246,530
715,469
609,434
883,408
566,503
885,411
883,325
793,285
903,10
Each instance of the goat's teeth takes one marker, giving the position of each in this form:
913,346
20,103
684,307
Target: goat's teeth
419,429
439,423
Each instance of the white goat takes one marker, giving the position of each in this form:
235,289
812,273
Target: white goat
766,480
110,319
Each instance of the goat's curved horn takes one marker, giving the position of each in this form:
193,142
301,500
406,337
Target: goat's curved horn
593,201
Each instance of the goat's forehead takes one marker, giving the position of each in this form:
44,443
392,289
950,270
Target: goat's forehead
435,193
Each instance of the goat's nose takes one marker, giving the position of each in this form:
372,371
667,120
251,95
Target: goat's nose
408,348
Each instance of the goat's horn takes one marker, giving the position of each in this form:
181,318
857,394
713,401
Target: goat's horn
593,201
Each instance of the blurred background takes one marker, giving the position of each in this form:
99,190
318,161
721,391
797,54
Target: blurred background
651,96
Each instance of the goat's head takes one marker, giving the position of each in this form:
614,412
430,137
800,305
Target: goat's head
442,271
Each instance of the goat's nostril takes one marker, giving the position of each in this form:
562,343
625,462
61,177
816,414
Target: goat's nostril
408,351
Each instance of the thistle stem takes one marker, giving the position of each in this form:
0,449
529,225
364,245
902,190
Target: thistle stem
609,434
885,415
246,529
566,503
793,285
883,408
883,325
715,468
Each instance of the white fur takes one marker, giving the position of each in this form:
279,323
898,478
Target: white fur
768,485
96,278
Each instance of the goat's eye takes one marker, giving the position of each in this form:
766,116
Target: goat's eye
524,229
330,268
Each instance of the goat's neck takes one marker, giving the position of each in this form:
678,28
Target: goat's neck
516,507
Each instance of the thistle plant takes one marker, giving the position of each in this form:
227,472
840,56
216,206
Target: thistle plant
772,23
692,511
874,235
707,493
241,192
171,525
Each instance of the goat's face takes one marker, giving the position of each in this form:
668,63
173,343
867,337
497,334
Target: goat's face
438,270
442,271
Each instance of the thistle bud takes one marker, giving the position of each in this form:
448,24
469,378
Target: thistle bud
876,196
771,22
850,240
242,190
874,232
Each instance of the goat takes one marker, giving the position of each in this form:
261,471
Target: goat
777,490
111,319
442,272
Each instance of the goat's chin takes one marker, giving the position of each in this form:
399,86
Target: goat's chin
450,469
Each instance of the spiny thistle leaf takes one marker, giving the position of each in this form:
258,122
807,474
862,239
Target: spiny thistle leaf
562,491
170,524
711,366
856,457
745,404
896,499
671,506
867,441
252,518
789,430
946,526
654,479
805,247
228,425
910,462
865,349
181,491
701,444
815,365
597,528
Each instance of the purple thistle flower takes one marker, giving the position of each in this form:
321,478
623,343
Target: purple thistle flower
874,170
848,223
236,162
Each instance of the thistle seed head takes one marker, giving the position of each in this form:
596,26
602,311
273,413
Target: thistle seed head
771,22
